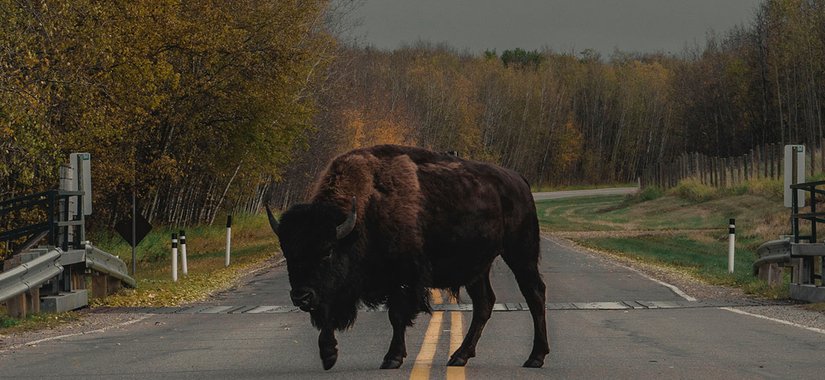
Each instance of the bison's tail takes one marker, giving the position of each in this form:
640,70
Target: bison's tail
455,292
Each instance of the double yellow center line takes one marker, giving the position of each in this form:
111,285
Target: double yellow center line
424,360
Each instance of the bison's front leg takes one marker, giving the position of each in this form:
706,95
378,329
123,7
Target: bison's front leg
398,346
328,347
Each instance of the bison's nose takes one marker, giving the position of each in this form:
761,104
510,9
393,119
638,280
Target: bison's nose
302,296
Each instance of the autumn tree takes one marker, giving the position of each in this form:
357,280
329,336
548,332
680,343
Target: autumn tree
202,102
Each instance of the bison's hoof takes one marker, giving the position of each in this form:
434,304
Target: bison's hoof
457,361
534,363
391,363
329,361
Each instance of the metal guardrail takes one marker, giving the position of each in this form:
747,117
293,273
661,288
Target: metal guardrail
30,275
808,252
797,250
55,205
109,264
772,252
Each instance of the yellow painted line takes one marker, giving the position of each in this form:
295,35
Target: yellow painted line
436,295
456,336
424,360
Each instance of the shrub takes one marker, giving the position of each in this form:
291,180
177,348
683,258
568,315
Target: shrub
647,194
693,190
768,188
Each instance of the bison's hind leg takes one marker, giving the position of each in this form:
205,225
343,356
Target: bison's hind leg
402,306
532,287
481,293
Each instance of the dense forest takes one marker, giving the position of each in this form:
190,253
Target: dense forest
209,106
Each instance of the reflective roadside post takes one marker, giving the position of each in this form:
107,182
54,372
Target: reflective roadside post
228,236
183,253
731,242
174,257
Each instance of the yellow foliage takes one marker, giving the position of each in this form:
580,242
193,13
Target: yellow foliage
570,145
363,133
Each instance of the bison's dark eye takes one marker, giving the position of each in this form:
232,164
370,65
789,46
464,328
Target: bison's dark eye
327,255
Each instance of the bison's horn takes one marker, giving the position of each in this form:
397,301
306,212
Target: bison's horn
272,221
345,228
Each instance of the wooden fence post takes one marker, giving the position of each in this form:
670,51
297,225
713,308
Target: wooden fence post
758,164
809,161
822,155
712,171
725,166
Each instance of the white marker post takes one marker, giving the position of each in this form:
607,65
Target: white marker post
183,252
174,257
731,242
228,236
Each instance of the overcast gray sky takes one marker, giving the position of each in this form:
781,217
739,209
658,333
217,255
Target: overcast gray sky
572,25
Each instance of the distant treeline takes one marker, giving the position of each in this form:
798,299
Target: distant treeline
562,118
211,106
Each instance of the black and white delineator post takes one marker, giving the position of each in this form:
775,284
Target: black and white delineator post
228,236
731,243
183,253
174,257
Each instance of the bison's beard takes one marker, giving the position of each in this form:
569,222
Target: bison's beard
339,314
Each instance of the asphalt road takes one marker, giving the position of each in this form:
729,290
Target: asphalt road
653,333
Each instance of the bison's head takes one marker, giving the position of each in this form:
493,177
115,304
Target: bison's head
318,254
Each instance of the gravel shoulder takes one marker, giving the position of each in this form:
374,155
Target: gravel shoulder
88,322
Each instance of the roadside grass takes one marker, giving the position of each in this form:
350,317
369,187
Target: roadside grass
820,307
701,255
252,244
684,228
34,322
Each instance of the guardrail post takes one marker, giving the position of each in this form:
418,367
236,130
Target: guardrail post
174,257
228,237
16,306
731,243
771,273
183,252
100,285
24,304
77,279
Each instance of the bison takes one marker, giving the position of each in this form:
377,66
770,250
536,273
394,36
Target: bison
388,223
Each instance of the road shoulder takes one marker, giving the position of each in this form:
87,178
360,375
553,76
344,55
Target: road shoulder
786,311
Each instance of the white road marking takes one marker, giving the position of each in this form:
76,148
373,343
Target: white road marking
814,329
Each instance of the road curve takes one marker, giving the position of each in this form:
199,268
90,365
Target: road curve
585,193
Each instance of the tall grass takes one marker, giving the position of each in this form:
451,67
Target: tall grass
201,240
693,190
252,243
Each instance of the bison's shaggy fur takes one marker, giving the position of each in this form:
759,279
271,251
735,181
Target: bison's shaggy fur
422,220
